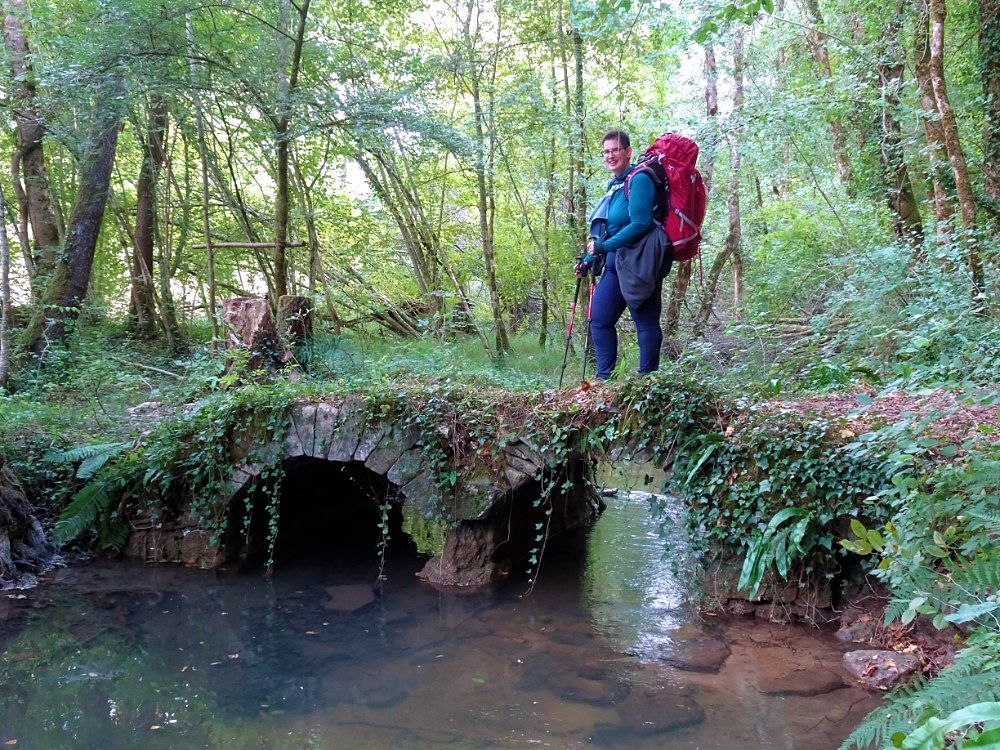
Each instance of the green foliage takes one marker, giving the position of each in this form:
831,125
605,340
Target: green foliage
940,557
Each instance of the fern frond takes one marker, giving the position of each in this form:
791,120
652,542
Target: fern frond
971,679
114,534
92,457
82,513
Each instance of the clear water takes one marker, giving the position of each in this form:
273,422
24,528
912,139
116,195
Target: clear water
601,654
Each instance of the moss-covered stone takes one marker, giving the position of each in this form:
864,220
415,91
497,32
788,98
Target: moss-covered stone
427,534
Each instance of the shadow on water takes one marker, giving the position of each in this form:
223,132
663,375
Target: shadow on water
602,654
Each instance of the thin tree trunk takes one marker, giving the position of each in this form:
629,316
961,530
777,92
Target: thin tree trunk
4,296
288,73
682,276
71,279
485,226
821,54
989,61
731,248
580,142
937,153
956,155
23,239
41,203
907,222
143,285
206,226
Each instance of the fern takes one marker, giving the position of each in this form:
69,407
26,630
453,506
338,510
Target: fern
92,458
114,534
87,505
971,679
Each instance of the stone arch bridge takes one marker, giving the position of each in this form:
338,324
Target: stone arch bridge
475,525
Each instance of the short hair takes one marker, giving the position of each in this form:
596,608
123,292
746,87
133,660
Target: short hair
620,136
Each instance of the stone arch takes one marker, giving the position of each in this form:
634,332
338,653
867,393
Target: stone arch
488,522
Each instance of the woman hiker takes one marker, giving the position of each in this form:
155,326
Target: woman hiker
619,223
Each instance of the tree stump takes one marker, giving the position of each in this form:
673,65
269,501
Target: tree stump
24,550
295,319
250,326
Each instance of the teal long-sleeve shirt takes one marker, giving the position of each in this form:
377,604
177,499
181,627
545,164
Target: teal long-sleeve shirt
629,220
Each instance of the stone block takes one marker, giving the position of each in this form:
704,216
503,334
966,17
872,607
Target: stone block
371,436
423,494
393,444
348,431
407,466
241,475
304,419
326,424
291,446
476,496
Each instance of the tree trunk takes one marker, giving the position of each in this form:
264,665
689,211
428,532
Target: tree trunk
989,61
71,278
485,225
206,227
4,296
143,285
937,153
817,45
580,145
682,276
40,203
956,155
288,73
731,248
907,222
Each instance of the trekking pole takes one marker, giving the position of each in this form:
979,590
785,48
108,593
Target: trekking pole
569,327
590,308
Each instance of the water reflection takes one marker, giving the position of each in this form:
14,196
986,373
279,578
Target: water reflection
635,597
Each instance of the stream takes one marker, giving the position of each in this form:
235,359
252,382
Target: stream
604,653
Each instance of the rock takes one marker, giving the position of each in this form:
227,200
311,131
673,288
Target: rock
804,682
24,550
859,631
467,559
695,653
591,683
654,711
371,436
879,670
349,598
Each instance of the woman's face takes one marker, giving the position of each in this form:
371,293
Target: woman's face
616,158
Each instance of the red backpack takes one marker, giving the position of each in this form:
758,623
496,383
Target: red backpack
670,162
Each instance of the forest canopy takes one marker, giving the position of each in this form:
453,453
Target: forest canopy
422,167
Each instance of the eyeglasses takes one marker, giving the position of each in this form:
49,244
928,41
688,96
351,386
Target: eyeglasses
611,152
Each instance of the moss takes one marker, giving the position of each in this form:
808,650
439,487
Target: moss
426,533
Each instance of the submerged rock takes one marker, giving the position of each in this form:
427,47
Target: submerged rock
648,713
804,682
591,683
879,670
349,598
693,651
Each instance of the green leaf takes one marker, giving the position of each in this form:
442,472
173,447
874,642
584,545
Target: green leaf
858,528
969,612
989,740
